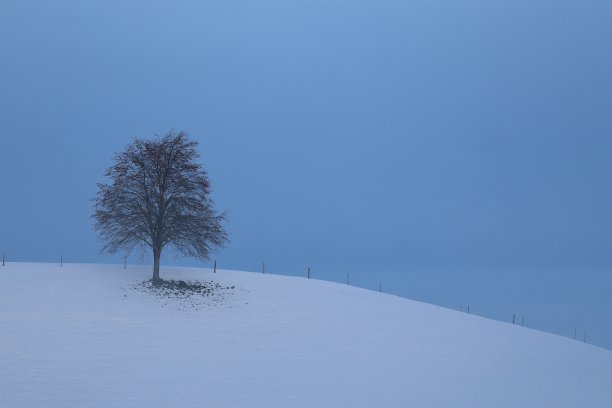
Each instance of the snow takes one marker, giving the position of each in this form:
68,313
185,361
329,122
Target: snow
78,336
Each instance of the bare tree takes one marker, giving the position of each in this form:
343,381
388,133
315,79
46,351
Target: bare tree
158,197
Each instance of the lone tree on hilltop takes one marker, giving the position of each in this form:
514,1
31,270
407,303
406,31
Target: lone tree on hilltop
158,196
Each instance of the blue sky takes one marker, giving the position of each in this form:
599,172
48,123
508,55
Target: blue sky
457,152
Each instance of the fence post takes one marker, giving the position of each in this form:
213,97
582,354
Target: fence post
263,267
61,260
523,320
2,260
380,287
309,272
124,261
215,270
513,318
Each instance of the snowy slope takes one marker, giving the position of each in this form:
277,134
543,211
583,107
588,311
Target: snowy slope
77,336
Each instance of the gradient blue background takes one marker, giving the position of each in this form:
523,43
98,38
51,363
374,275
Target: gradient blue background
456,151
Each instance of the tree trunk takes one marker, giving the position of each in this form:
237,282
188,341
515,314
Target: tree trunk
156,256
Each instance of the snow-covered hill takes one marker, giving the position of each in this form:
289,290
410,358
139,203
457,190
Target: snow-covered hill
79,336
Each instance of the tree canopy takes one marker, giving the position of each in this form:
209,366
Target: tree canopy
158,197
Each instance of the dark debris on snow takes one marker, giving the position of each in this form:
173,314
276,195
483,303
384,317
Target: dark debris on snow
191,294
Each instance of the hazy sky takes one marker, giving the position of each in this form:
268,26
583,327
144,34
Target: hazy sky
456,151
